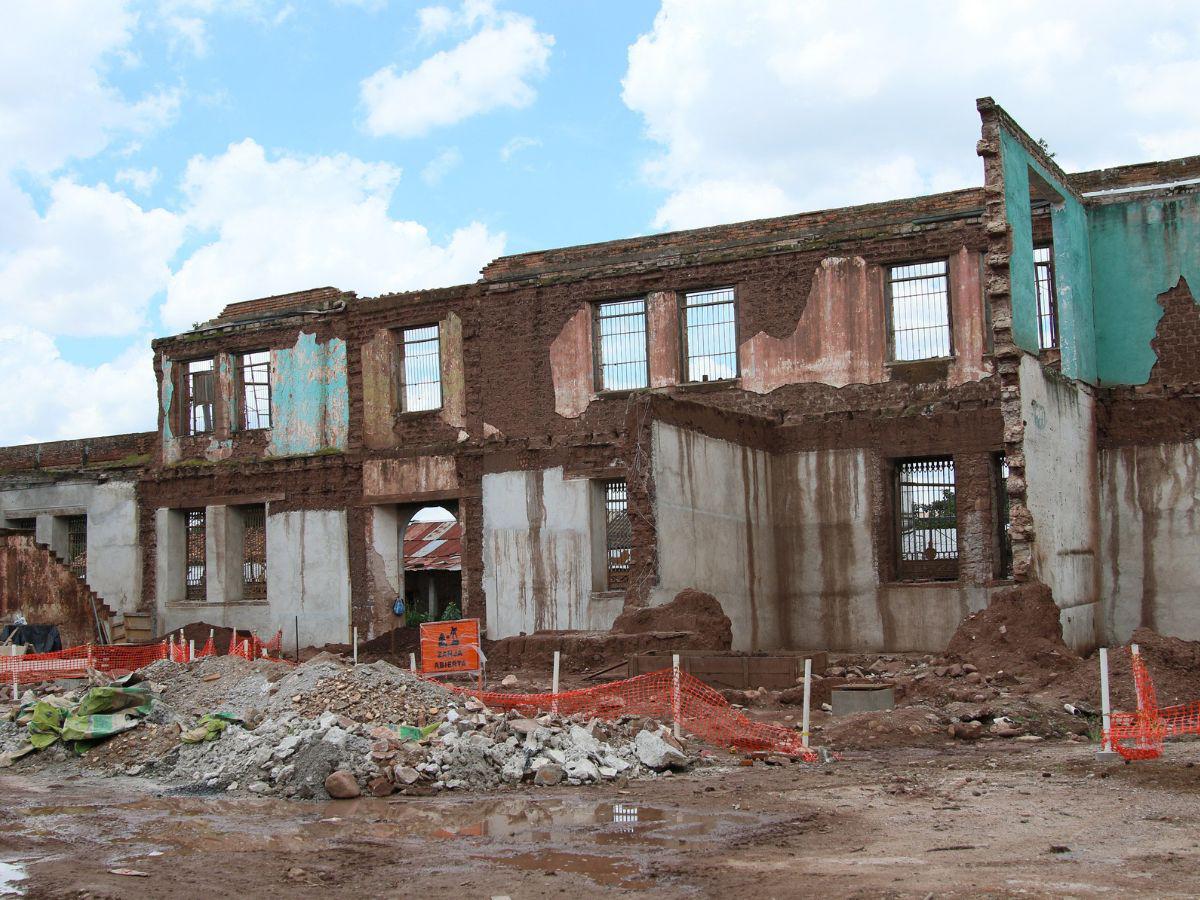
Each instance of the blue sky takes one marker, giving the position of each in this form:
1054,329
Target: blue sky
160,158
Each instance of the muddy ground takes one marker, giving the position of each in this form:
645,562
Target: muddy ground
993,818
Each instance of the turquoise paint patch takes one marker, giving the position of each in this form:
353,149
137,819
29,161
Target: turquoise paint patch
168,393
1140,248
310,397
1072,264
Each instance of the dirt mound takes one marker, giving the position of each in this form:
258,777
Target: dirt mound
1019,634
692,611
199,632
1174,666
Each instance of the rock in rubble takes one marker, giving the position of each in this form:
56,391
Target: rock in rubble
655,753
549,775
509,681
406,774
340,785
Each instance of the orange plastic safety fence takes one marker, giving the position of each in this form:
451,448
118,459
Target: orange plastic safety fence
209,648
1140,735
75,662
698,708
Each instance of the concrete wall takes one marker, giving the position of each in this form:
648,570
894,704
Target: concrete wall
308,575
1060,469
714,523
1150,534
538,554
114,569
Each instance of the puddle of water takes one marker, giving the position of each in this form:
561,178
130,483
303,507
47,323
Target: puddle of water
11,876
600,869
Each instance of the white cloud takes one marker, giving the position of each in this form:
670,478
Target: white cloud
778,107
371,6
290,222
141,180
516,145
441,166
492,69
186,21
69,400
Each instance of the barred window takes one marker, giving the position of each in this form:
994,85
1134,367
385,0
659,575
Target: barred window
254,552
618,532
1047,301
255,371
927,518
919,305
77,544
194,572
421,366
200,391
710,335
622,345
1003,525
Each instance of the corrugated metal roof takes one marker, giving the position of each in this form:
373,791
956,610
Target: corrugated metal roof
433,546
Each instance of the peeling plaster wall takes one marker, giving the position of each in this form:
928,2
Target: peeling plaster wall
713,517
571,365
454,383
1150,532
409,477
1140,249
537,554
968,323
379,400
662,334
1062,495
310,398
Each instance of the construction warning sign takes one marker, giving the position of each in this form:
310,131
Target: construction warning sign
450,646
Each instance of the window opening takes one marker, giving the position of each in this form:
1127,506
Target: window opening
200,396
1047,300
710,335
254,553
196,584
1003,524
919,300
927,518
256,390
421,349
77,545
622,345
618,532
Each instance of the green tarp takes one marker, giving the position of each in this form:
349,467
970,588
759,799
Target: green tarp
99,714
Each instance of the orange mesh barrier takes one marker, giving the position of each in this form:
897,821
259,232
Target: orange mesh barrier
75,662
209,648
697,707
1140,735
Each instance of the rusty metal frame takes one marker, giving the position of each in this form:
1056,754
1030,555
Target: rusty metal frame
681,313
401,380
889,308
597,341
240,398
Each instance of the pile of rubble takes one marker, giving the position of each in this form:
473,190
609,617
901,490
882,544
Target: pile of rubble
328,729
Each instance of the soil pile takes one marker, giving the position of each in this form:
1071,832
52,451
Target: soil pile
199,632
1174,666
692,611
1018,634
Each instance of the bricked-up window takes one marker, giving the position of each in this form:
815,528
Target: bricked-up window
254,552
421,369
618,532
1003,524
621,348
919,310
77,544
200,386
927,518
710,335
255,370
1047,301
194,575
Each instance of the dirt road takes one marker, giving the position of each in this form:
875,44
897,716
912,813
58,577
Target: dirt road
994,819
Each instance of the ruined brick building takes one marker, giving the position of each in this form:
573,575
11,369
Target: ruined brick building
850,426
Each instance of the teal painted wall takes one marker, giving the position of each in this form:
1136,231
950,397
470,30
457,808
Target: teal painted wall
1072,264
168,394
1140,248
310,397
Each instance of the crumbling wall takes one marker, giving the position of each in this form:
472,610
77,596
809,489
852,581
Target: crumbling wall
36,584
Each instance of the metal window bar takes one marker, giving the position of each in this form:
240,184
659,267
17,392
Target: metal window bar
618,532
710,335
77,545
194,575
200,388
1047,300
919,300
254,552
422,369
256,390
928,511
1003,524
622,346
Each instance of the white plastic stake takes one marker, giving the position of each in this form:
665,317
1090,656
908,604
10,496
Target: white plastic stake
554,685
1105,703
191,651
1135,652
356,645
807,699
14,684
676,697
412,662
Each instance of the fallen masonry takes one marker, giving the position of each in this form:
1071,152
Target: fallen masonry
326,728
